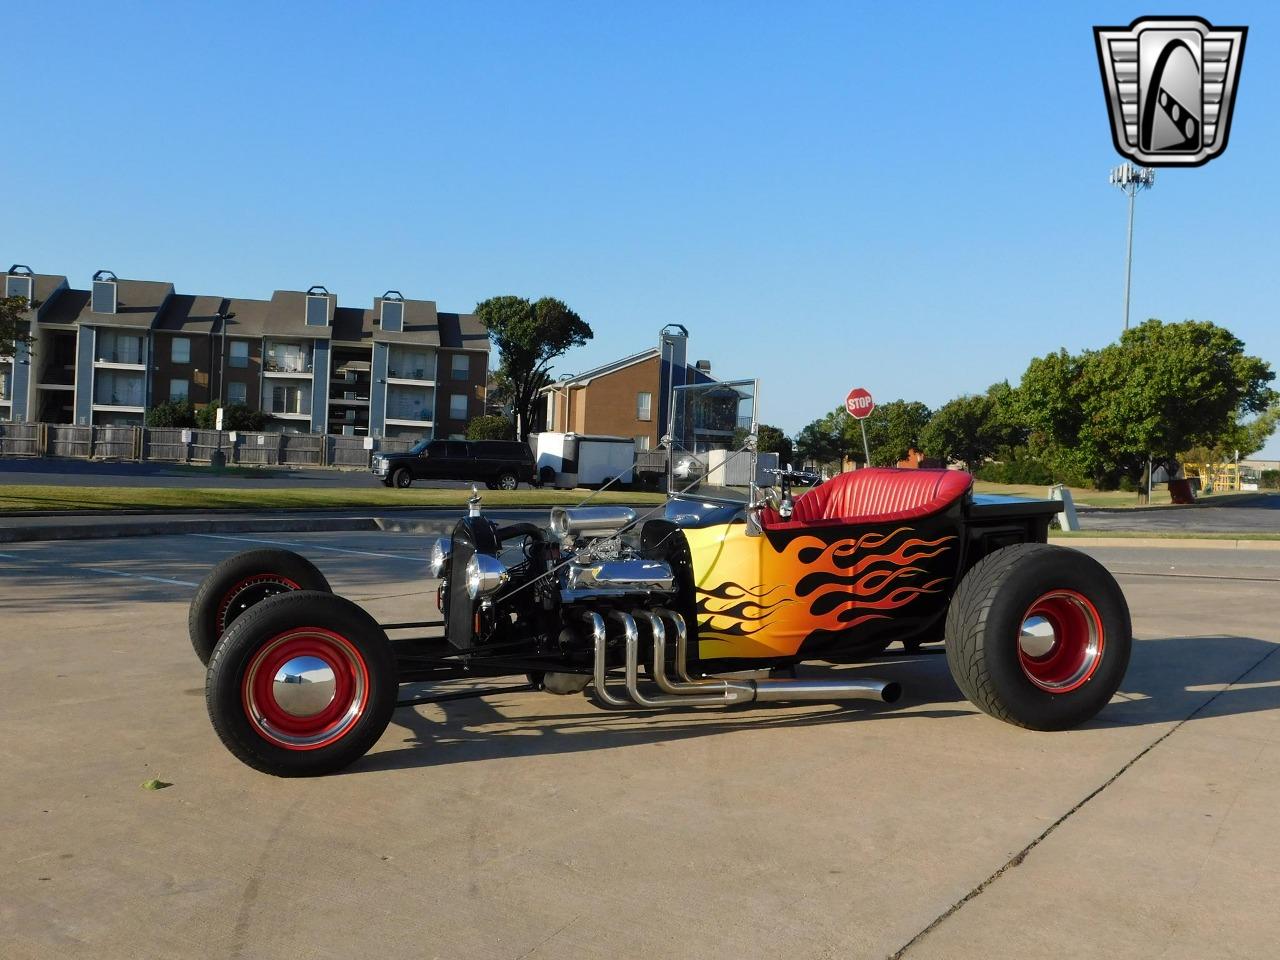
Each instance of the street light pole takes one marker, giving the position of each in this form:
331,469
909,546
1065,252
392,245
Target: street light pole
1131,179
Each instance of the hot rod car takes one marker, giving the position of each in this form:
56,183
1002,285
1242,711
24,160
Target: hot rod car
708,600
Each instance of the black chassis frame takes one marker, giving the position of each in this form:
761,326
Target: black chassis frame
987,526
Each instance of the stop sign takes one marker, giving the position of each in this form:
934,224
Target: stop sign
859,403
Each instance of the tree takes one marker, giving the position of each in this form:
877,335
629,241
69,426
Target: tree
974,428
773,440
893,430
529,336
172,413
1163,389
235,416
822,441
13,324
490,427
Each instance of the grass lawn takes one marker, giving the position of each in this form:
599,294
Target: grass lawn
34,497
1157,535
1081,495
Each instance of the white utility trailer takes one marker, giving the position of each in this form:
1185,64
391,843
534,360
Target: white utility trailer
567,460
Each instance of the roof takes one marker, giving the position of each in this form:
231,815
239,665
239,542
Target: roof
137,304
463,331
582,379
287,315
185,313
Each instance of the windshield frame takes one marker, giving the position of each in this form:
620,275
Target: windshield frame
697,493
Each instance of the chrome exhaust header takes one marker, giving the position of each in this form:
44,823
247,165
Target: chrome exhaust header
709,692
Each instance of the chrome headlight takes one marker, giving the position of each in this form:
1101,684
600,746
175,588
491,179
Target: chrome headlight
485,574
440,553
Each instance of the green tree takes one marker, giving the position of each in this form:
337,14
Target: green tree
235,416
822,441
973,428
771,439
893,430
529,336
13,324
490,427
1163,389
172,413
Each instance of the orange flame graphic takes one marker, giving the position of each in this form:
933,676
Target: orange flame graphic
758,601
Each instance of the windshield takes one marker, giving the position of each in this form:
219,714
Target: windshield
419,446
710,423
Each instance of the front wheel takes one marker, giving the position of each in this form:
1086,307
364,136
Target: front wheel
1039,636
240,582
302,685
402,478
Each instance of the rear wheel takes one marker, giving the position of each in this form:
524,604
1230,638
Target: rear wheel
402,478
302,685
507,481
1039,636
240,582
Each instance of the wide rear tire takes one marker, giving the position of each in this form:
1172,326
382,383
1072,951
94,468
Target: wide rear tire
238,583
302,685
1039,636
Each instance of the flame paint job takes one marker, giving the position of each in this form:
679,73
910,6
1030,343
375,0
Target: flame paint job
764,596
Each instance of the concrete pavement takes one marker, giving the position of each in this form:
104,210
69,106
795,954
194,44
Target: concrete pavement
527,825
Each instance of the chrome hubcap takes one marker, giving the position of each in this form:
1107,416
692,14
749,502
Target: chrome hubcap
1037,637
304,686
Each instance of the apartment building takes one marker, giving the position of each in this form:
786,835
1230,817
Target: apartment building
104,355
627,397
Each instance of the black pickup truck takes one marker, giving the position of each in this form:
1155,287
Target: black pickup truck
500,464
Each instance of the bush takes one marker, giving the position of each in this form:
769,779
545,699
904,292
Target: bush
1269,480
1020,466
491,427
236,416
172,413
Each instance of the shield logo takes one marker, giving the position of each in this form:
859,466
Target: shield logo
1170,84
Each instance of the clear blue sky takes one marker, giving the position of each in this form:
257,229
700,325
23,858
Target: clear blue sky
913,199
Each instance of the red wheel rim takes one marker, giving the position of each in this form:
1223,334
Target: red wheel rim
1061,641
306,688
262,581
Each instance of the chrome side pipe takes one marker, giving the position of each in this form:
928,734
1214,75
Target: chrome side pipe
717,693
762,690
705,692
599,640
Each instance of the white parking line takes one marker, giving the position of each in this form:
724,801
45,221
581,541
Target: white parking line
311,546
137,576
77,568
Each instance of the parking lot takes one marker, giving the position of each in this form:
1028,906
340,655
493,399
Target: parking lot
528,826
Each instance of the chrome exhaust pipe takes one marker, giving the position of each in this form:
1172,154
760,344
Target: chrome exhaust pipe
764,690
717,693
886,691
599,640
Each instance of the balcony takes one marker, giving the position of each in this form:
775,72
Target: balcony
124,359
288,366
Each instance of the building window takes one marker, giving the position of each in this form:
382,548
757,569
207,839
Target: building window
180,351
103,296
289,399
458,406
317,311
5,384
239,355
642,443
392,316
237,392
644,406
461,366
178,389
118,347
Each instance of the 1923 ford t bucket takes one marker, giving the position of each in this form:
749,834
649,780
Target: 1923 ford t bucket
705,601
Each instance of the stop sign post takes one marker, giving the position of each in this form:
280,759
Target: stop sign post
859,406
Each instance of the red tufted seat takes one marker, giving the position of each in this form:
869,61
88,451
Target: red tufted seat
874,494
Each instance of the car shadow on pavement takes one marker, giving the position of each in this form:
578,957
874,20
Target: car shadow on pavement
1169,680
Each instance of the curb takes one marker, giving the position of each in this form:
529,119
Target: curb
110,531
1172,543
